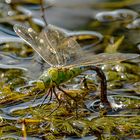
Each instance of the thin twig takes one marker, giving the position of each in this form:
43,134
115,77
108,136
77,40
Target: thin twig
43,12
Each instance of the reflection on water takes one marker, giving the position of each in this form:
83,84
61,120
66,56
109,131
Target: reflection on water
20,67
121,14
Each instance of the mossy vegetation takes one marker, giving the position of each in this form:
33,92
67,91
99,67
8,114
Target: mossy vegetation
23,114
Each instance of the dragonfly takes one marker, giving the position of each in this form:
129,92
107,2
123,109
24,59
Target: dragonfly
66,58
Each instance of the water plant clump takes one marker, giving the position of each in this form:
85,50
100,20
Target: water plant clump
57,94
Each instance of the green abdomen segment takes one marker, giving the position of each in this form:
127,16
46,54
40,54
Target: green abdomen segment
61,75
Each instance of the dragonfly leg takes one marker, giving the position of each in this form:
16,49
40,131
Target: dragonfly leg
51,93
36,95
53,89
56,95
71,98
102,77
46,96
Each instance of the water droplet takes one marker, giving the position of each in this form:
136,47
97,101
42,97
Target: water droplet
10,13
123,76
119,68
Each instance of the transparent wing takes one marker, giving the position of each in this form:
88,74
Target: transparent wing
33,39
70,53
56,48
51,44
104,58
65,49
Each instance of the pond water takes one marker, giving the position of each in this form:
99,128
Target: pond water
103,26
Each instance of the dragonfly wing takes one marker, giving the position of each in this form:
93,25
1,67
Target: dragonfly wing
39,44
71,51
105,58
65,49
56,48
52,44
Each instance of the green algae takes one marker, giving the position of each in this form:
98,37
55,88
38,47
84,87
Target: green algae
37,121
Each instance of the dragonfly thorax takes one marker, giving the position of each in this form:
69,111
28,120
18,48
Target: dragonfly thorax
50,77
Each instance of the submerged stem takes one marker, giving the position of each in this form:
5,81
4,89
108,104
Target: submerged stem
103,95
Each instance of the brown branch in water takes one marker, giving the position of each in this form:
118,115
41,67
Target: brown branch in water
43,12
